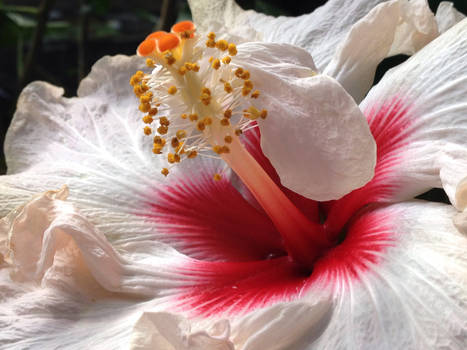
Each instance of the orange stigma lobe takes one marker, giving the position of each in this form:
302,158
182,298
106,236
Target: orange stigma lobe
168,41
146,48
185,29
156,35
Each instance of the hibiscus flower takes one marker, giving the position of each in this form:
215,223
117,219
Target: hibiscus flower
187,262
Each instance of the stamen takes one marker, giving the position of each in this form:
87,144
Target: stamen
205,113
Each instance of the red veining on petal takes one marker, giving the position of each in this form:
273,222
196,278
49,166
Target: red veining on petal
210,220
233,288
390,126
228,236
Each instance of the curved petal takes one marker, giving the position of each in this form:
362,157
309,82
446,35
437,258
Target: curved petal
447,16
417,115
426,97
391,28
319,32
315,135
415,298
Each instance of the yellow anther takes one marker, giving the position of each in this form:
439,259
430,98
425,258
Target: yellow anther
157,149
169,58
165,171
134,80
180,149
255,94
217,149
171,158
189,66
245,91
172,90
210,43
226,60
193,117
245,75
192,154
238,132
238,72
248,84
177,158
207,120
232,49
146,98
263,114
138,90
211,36
222,45
150,63
174,142
225,149
228,87
228,139
184,116
147,130
153,111
228,113
211,59
162,129
164,121
196,67
182,70
252,113
181,134
200,126
159,141
225,122
144,107
147,119
216,63
206,90
205,98
144,86
217,177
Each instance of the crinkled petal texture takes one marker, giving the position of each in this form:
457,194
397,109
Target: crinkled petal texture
319,32
337,154
391,28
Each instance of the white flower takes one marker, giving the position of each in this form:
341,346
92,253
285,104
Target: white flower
131,258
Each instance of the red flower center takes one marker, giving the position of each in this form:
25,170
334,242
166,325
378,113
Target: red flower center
240,257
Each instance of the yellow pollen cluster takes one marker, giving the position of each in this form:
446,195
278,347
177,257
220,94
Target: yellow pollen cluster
203,114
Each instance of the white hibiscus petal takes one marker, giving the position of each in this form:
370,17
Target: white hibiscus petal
319,32
293,326
64,275
311,120
168,331
461,194
447,16
415,297
391,28
417,114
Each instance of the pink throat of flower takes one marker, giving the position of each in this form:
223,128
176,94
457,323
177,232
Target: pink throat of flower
303,239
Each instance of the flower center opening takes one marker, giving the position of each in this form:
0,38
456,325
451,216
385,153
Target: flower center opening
197,102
